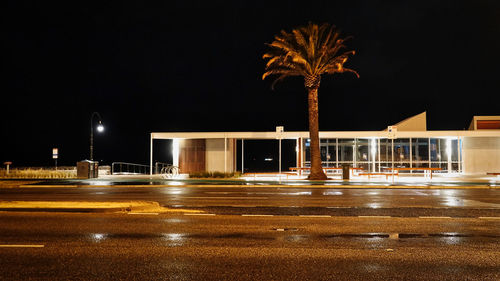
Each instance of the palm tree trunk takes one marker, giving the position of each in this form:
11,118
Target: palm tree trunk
316,169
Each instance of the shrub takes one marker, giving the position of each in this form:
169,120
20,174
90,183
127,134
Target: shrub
214,175
38,174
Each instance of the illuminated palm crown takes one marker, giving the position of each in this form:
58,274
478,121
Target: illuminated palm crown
308,51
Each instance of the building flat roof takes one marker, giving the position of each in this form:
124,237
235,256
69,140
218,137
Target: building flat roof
323,135
412,127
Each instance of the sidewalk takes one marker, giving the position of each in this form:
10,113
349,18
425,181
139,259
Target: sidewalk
88,207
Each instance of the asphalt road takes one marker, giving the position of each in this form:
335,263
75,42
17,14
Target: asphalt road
286,200
256,233
55,246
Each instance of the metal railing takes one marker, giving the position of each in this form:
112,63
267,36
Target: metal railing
124,168
164,169
169,171
159,167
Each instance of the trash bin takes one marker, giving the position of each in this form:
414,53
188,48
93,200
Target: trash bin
346,171
87,169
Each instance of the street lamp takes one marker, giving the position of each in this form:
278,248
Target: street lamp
100,129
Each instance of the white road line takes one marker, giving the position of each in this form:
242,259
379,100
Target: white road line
189,214
374,216
424,217
315,216
490,218
217,192
22,246
154,214
214,197
247,215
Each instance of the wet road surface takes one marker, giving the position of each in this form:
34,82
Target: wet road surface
257,233
286,200
54,246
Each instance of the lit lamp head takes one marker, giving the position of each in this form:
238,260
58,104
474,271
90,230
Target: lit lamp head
100,127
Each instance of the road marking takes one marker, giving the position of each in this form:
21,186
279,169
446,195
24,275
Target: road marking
374,217
248,215
315,216
424,217
490,218
22,246
214,192
41,185
154,214
189,214
214,197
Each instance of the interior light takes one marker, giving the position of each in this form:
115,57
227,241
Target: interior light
448,147
175,152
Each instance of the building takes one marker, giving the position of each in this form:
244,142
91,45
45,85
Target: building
405,144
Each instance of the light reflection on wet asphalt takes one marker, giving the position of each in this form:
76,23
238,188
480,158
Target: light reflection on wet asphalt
186,182
368,240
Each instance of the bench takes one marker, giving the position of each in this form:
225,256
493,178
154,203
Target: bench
387,175
299,170
426,170
268,174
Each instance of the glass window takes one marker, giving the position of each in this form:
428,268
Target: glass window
346,148
385,150
307,150
402,150
362,153
420,150
454,150
328,151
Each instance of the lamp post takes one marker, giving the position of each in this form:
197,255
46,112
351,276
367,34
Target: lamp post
100,128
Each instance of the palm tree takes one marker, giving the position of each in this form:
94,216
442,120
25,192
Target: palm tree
308,51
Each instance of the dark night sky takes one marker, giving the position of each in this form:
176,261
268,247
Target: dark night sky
197,66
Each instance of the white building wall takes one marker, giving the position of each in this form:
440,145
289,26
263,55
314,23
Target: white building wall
214,156
481,155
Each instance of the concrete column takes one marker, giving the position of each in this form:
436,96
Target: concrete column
378,141
429,148
337,151
175,152
225,155
151,154
411,154
392,154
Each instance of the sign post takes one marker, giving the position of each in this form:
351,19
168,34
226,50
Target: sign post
391,134
55,155
279,136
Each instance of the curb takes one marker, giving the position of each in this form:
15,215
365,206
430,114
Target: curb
87,207
272,185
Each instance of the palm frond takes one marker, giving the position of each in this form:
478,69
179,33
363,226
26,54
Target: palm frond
311,50
281,71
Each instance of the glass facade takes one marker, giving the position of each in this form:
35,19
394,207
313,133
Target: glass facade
378,154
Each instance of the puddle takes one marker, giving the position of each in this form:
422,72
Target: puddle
285,229
360,235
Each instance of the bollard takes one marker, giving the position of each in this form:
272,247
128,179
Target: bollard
8,163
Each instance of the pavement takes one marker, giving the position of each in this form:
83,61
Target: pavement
89,207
